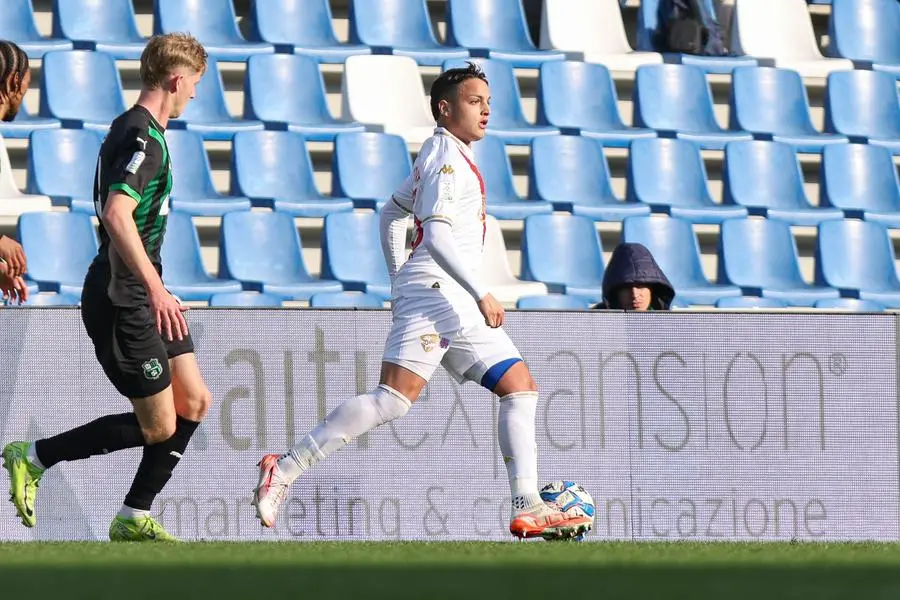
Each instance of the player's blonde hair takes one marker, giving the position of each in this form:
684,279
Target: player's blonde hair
165,53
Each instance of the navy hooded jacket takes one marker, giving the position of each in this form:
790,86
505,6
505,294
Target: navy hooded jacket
633,264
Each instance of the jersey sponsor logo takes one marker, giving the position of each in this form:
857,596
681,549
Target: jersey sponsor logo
152,369
137,159
445,190
447,170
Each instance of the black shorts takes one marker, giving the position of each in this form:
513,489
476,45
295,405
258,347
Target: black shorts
133,355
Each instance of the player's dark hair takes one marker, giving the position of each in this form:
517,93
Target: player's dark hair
13,60
447,82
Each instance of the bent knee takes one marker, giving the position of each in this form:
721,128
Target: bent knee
517,378
529,384
158,432
194,405
523,383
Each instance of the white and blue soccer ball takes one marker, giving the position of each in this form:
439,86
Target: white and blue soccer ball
568,495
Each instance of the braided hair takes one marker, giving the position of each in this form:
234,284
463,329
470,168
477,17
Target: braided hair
13,67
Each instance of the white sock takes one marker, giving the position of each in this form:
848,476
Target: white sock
33,457
126,512
348,421
515,428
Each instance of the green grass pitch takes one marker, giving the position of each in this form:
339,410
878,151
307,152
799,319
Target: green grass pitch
327,570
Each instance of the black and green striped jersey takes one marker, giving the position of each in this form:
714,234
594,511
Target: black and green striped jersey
134,160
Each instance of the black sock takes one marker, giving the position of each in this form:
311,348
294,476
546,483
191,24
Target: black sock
106,434
157,464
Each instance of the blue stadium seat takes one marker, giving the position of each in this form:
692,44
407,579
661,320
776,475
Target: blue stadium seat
300,104
244,299
62,164
212,22
346,300
400,27
192,186
648,23
765,178
207,113
60,247
260,172
502,200
752,302
33,290
553,302
507,119
863,105
580,99
24,123
496,29
677,102
760,256
351,253
678,303
857,257
18,25
565,253
571,172
866,32
369,167
851,304
51,299
300,27
183,271
81,89
772,104
670,176
674,245
273,262
103,25
861,180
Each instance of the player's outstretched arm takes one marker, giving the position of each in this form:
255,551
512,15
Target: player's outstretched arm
392,225
119,222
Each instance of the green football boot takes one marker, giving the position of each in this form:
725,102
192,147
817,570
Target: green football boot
139,529
24,479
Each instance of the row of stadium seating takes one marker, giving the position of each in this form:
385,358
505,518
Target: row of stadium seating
779,30
779,95
757,257
567,173
572,98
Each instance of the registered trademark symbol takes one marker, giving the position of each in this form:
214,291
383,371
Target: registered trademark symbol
837,364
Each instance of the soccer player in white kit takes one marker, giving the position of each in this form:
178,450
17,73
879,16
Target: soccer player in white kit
442,315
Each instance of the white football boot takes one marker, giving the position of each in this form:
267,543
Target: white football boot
271,489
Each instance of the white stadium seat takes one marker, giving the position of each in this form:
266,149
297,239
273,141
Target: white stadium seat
12,201
594,28
496,273
387,91
782,30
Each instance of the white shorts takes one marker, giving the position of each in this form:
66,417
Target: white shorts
431,331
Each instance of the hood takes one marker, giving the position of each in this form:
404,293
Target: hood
631,264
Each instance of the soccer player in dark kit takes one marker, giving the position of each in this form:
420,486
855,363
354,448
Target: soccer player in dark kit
137,327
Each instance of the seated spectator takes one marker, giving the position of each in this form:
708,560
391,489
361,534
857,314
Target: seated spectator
692,27
633,281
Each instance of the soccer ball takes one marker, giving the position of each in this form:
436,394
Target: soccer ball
567,495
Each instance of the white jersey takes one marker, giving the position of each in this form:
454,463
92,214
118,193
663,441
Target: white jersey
445,185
